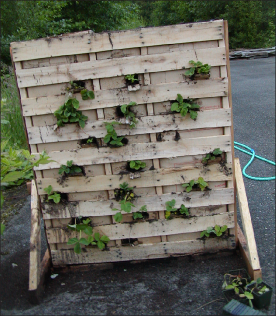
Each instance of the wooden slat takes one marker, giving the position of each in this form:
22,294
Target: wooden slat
118,67
148,179
148,251
35,241
153,203
246,218
159,227
145,125
113,97
89,42
138,151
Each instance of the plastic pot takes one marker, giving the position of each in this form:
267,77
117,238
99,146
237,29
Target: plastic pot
260,300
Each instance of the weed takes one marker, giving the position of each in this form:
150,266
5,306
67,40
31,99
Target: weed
212,155
185,106
199,182
52,195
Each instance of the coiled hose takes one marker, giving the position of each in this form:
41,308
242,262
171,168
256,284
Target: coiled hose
251,152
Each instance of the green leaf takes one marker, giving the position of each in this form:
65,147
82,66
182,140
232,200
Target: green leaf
75,103
202,234
124,108
88,230
82,123
217,151
228,287
86,221
185,185
192,183
223,228
72,241
84,241
2,227
167,214
100,245
97,236
55,197
249,295
132,164
77,248
105,239
91,94
175,107
259,280
137,215
189,189
179,98
143,208
118,217
193,114
236,289
183,111
107,138
90,239
49,189
217,228
13,176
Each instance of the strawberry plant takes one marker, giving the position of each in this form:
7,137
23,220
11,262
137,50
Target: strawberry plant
69,168
52,195
97,240
195,183
128,114
185,106
217,230
78,86
212,155
131,79
141,213
137,164
69,113
198,68
111,137
124,193
170,208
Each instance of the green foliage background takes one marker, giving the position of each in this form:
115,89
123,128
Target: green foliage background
251,23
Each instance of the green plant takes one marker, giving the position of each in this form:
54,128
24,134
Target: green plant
98,240
212,155
52,195
217,230
137,164
131,78
249,296
111,136
185,106
85,94
170,208
198,68
128,114
69,168
199,182
90,140
139,214
69,113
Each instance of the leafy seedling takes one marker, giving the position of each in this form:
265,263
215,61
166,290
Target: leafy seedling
69,168
185,106
170,208
217,230
111,137
139,214
207,232
184,210
101,240
90,140
52,195
124,193
198,68
131,79
128,114
220,230
69,113
137,164
199,182
212,155
86,94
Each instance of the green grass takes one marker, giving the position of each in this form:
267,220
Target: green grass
12,127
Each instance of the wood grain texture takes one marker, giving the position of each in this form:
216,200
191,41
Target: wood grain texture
90,42
118,67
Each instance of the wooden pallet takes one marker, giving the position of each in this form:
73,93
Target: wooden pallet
160,56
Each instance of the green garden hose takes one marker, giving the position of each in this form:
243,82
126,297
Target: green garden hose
253,155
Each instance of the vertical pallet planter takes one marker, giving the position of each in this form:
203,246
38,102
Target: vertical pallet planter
172,146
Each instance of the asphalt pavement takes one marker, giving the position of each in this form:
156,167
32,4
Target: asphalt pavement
176,286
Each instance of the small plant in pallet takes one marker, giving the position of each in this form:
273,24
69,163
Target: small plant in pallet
217,231
128,114
141,213
52,195
185,106
197,68
78,86
136,165
212,155
69,113
195,183
97,240
170,209
111,137
69,168
132,79
124,193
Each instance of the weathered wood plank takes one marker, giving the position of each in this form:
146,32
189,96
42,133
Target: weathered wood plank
159,227
89,42
118,67
140,252
138,151
153,203
151,178
145,125
113,97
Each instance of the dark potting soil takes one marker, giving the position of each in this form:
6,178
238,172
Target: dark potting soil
129,83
